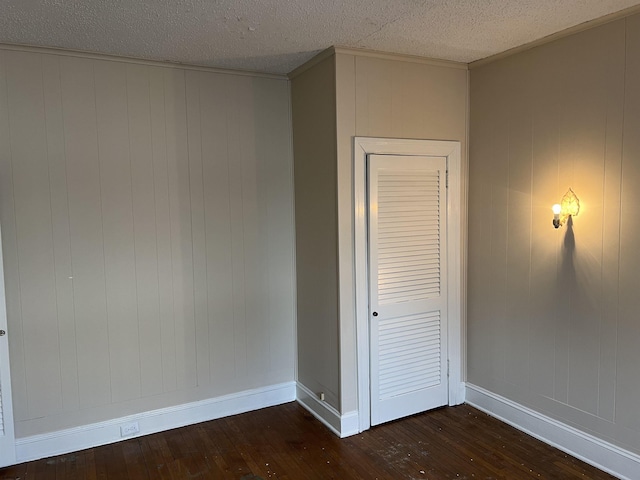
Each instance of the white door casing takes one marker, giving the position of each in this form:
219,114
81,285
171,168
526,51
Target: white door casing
363,147
407,285
7,435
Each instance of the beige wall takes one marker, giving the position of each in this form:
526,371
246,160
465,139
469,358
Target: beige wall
147,221
314,147
553,314
343,96
385,97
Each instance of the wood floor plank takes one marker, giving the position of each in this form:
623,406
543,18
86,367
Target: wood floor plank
45,469
266,448
452,450
156,456
236,466
14,472
321,450
86,465
287,443
216,458
134,459
292,442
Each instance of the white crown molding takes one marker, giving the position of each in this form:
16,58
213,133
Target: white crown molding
361,52
136,61
400,57
612,17
323,55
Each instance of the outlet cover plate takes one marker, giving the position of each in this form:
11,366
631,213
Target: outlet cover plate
129,429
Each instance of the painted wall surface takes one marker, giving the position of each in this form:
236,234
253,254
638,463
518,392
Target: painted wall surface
147,217
553,314
383,97
314,146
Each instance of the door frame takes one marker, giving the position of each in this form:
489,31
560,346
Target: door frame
8,440
364,146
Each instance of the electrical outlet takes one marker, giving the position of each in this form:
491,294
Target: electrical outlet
321,396
129,429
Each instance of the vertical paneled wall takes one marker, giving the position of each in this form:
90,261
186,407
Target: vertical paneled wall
314,145
147,223
553,314
390,97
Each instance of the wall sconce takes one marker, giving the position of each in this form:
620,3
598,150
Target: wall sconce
569,206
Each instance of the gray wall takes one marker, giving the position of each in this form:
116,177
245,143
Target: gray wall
553,314
147,220
314,146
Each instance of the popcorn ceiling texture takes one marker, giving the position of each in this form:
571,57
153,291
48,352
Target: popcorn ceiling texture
278,35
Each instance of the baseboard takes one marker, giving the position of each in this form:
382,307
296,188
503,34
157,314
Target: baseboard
588,448
102,433
457,394
349,424
342,425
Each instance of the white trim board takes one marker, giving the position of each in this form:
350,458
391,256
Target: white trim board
363,146
102,433
363,52
342,425
588,448
138,61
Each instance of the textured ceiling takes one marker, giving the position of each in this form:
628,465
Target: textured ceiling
278,35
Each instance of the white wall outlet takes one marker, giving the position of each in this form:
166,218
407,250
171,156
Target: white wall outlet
321,396
129,429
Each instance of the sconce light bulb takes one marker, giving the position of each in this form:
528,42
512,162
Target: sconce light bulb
556,215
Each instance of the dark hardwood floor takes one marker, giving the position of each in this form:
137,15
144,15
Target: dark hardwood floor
286,442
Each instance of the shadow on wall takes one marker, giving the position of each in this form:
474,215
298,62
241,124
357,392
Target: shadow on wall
569,238
567,267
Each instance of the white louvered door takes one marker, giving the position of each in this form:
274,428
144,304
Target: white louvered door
407,279
7,436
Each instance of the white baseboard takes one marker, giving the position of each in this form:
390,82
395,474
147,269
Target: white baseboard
588,448
342,425
102,433
457,394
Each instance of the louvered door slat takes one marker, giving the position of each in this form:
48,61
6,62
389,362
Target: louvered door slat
409,263
405,241
417,254
416,219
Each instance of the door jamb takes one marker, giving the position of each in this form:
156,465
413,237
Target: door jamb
364,146
7,457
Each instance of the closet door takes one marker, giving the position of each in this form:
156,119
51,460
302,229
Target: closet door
407,283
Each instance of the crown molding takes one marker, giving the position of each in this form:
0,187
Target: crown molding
133,60
400,57
315,60
612,17
361,52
